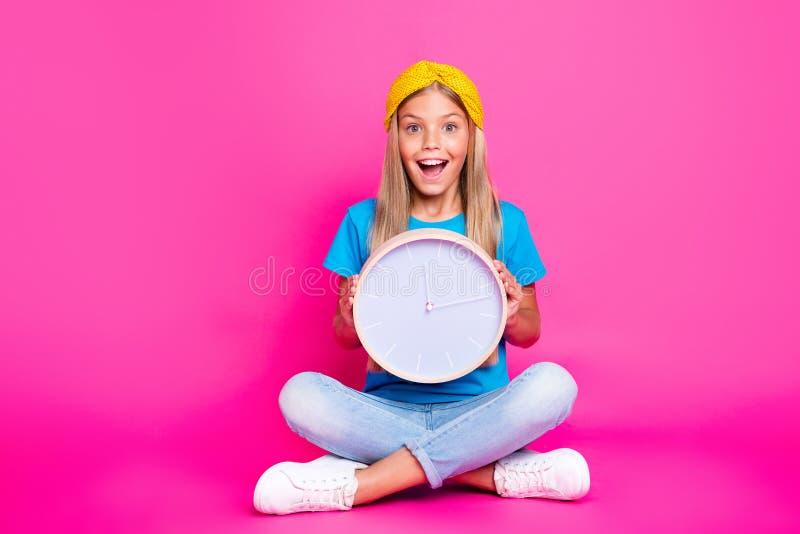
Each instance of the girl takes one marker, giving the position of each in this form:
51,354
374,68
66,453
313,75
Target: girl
395,433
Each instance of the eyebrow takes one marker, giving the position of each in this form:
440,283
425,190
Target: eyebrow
420,118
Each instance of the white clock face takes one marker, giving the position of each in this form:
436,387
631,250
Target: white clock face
429,307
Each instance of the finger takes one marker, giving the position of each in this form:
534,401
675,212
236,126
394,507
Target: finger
513,288
505,274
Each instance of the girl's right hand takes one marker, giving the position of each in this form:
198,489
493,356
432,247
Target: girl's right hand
347,291
344,324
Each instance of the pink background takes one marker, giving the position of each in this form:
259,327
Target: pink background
157,157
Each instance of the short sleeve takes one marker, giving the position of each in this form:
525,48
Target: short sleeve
343,256
523,258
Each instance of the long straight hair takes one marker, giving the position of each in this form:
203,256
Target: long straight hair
479,200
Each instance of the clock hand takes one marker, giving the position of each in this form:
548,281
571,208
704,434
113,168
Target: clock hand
462,301
428,303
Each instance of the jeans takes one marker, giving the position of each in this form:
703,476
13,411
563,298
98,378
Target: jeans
447,438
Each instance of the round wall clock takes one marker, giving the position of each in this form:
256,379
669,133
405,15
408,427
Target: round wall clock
429,305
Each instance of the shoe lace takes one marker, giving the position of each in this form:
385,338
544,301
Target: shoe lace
529,475
319,495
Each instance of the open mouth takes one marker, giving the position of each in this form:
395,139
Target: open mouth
431,168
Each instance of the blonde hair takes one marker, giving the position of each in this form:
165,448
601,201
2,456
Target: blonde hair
479,201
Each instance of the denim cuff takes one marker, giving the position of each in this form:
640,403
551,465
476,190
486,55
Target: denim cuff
434,479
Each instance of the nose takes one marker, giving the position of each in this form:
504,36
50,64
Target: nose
431,140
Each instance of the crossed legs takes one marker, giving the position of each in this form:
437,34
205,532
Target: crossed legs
405,454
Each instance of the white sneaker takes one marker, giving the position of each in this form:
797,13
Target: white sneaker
559,474
327,483
330,457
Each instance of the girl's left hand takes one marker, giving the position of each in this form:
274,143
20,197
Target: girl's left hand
513,289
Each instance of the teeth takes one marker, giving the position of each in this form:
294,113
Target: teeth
431,161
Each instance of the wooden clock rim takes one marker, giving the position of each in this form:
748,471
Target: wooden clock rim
417,235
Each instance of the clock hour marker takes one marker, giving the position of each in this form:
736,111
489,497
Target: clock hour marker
475,342
449,359
489,315
373,325
419,360
439,252
388,352
369,295
409,251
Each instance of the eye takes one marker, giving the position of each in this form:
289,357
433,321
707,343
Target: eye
450,127
412,128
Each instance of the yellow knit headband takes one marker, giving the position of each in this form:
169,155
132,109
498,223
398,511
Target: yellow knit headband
424,73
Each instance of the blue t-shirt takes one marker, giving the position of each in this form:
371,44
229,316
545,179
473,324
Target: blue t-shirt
516,249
